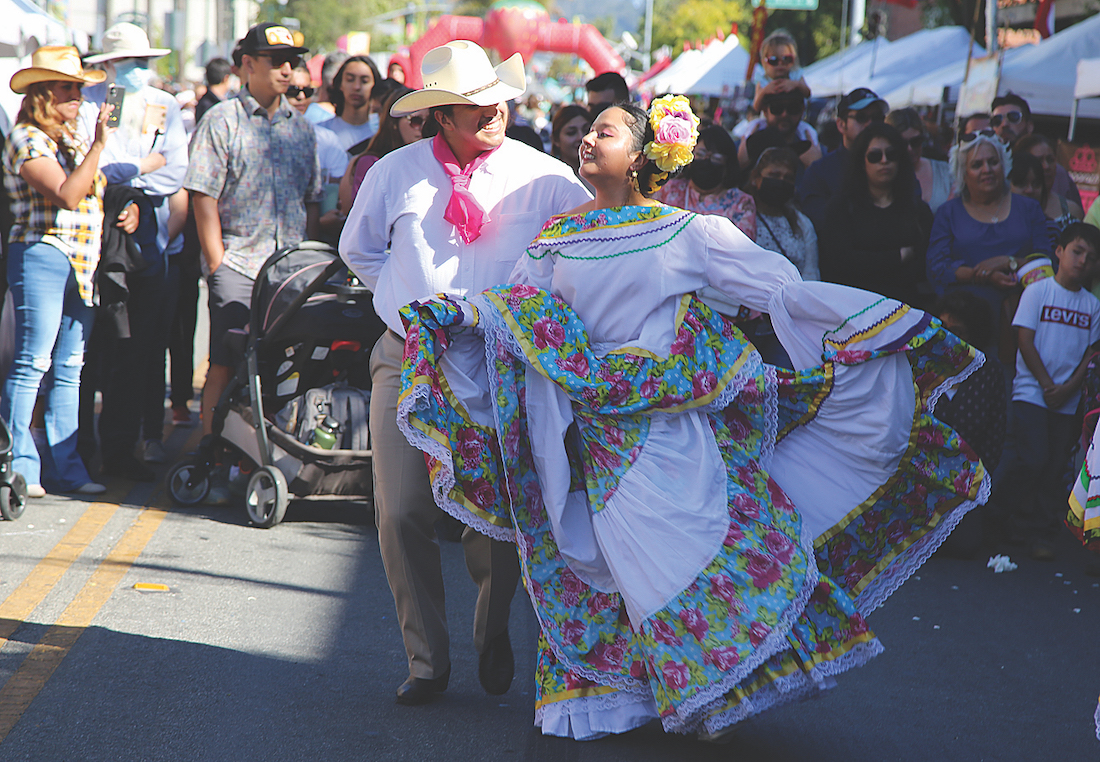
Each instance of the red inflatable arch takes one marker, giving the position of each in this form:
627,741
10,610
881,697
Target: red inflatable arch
514,26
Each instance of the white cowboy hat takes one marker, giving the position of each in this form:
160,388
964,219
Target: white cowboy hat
460,73
126,40
54,63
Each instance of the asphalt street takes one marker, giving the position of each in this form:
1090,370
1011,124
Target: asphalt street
281,644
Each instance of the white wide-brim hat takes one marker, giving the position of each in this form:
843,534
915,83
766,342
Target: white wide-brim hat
54,63
460,73
126,40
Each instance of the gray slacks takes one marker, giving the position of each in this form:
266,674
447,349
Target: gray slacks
405,515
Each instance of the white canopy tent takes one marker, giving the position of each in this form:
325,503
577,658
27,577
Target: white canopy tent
885,66
1087,86
722,75
1045,75
656,83
28,27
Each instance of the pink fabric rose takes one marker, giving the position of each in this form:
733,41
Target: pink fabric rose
663,633
676,675
548,333
674,129
779,545
763,569
724,658
757,632
571,588
470,445
695,623
571,631
575,363
483,493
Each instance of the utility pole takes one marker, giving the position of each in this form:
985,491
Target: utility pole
647,43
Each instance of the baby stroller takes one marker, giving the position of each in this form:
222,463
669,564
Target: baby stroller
13,487
311,331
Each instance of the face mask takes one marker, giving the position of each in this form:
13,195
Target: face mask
775,192
131,76
705,174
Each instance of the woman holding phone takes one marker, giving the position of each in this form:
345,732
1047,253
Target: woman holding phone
56,192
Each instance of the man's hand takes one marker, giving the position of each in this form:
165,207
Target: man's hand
129,219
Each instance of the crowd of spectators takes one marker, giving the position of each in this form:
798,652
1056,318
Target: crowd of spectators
210,182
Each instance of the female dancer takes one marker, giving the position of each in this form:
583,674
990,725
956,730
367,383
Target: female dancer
701,535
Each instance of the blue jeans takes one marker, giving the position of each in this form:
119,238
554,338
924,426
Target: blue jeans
51,323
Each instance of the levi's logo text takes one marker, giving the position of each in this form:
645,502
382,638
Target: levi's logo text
1066,317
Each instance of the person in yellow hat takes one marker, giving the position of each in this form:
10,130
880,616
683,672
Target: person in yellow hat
56,192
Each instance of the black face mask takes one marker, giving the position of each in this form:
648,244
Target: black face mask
775,192
705,174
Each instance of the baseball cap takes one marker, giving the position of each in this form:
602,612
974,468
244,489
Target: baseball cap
269,38
857,100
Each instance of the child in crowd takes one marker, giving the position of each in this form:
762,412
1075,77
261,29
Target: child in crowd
778,70
1057,322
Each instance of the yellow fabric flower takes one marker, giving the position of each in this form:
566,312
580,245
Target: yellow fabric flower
675,130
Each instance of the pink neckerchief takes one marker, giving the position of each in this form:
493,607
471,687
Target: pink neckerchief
463,211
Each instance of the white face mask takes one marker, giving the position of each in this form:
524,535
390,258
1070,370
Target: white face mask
132,75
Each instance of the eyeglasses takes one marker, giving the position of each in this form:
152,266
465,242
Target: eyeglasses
776,60
1013,117
877,156
415,120
779,109
916,142
279,60
294,91
864,117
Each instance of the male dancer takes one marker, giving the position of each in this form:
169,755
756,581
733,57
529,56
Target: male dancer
451,214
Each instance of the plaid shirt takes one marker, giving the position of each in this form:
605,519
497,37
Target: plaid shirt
263,171
76,232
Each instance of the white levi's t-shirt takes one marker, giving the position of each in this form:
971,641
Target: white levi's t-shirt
1065,324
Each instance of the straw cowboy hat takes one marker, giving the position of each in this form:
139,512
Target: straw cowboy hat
54,63
460,73
126,40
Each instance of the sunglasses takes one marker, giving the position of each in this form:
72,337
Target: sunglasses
877,156
970,137
279,60
779,109
864,117
294,91
415,120
916,142
777,60
1013,117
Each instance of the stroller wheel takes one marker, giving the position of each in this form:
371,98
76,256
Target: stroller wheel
267,497
13,498
188,484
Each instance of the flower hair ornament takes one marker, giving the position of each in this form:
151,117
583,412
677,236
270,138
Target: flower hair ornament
675,131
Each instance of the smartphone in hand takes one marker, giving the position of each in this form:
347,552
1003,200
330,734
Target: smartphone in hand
114,97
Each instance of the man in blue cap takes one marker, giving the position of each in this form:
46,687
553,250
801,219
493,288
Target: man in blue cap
824,177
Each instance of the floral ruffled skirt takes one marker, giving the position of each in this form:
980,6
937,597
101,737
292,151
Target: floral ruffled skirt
650,498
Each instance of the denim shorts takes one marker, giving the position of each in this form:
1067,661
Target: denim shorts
230,294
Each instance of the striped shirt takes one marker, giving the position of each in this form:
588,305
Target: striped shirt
77,232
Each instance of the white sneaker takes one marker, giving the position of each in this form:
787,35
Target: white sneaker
154,452
90,488
35,490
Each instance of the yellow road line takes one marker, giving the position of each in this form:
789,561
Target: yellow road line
37,585
18,693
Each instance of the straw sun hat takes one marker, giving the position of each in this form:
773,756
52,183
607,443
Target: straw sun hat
460,73
54,63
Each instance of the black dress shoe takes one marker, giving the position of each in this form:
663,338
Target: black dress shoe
496,666
421,690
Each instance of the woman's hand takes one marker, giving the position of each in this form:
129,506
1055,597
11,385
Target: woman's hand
102,129
994,271
129,219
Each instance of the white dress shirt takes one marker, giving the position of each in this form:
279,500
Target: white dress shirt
397,242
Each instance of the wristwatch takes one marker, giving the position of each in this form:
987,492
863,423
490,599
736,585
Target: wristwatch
1013,264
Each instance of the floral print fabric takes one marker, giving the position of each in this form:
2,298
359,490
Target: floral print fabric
774,613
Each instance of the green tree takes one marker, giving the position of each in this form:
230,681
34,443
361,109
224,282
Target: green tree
678,21
324,21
